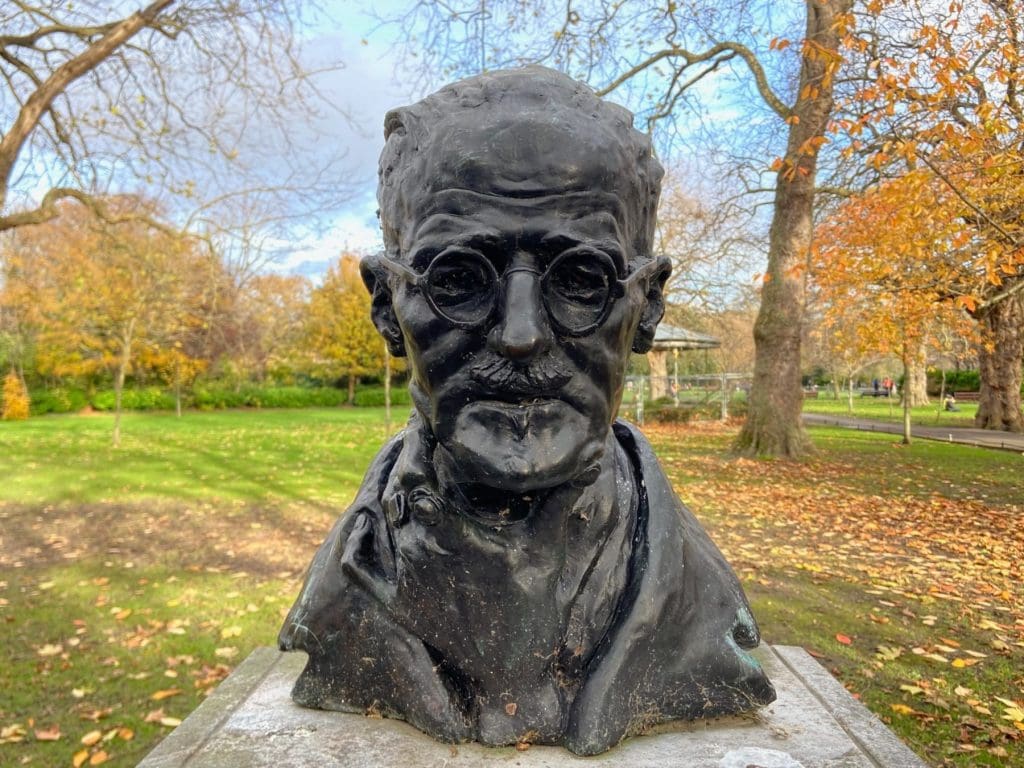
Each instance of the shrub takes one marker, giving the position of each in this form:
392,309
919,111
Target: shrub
145,399
251,396
669,414
58,400
16,401
374,396
956,381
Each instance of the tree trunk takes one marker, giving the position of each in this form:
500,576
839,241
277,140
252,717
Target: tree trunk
351,389
907,365
999,361
177,386
122,369
774,426
118,389
915,381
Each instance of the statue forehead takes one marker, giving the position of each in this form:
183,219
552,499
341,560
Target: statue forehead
461,216
517,135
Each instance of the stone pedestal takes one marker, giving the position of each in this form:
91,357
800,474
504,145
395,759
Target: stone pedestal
250,722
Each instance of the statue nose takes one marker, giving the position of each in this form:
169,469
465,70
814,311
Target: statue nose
523,331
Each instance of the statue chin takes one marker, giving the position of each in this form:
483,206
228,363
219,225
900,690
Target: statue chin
521,447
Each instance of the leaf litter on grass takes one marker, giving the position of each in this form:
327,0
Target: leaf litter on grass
934,553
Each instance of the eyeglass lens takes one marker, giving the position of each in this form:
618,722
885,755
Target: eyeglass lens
463,286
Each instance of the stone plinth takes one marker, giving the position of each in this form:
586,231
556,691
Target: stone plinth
250,722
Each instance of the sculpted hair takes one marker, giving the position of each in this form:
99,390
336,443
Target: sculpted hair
517,133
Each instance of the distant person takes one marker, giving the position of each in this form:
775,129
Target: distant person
874,385
950,403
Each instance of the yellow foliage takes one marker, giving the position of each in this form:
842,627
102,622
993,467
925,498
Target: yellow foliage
15,400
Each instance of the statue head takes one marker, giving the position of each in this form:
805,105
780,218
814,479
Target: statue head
518,212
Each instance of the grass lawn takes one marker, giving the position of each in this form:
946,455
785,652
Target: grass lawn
884,409
132,581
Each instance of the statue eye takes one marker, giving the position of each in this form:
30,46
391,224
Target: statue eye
580,278
578,288
461,284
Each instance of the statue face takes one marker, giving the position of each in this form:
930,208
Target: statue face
518,316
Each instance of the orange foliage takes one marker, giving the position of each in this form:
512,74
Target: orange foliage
943,104
15,399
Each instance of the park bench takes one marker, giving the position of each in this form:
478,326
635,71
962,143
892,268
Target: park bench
872,392
967,397
810,394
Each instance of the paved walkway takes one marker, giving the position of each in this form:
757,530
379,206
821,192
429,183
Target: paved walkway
983,438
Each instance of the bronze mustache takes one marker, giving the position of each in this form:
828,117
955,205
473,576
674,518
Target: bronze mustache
499,375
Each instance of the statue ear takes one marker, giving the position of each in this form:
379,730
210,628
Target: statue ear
382,311
654,308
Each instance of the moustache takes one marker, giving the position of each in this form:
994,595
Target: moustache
502,376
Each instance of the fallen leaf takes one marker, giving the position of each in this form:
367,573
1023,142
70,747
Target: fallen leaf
165,694
50,649
98,758
48,734
80,757
11,734
843,639
92,737
170,722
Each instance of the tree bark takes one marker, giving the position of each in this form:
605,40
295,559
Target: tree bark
999,361
122,369
351,389
774,426
908,359
915,382
177,386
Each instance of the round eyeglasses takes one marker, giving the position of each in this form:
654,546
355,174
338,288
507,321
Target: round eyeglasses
578,288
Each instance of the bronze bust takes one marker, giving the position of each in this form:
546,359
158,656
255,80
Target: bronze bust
516,567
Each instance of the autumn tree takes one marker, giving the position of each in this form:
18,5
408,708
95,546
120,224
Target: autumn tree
340,337
938,116
14,400
101,292
671,57
193,99
880,291
271,314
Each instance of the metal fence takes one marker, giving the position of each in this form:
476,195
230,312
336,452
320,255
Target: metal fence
720,389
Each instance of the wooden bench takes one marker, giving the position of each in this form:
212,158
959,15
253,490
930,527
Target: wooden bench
810,394
967,397
871,392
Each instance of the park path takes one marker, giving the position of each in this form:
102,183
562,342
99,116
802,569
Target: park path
983,438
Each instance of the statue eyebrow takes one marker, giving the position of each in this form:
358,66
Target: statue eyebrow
558,241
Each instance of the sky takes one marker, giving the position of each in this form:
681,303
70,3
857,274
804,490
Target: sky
366,88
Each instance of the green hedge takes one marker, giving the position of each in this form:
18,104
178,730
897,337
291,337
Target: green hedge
145,399
58,400
215,398
956,381
374,396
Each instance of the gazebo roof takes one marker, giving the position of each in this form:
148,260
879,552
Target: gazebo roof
673,337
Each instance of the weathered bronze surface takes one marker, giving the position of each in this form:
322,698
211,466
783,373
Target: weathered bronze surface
516,567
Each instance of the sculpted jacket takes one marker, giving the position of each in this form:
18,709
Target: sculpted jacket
490,643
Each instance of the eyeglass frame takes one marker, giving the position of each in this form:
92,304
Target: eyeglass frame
617,287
